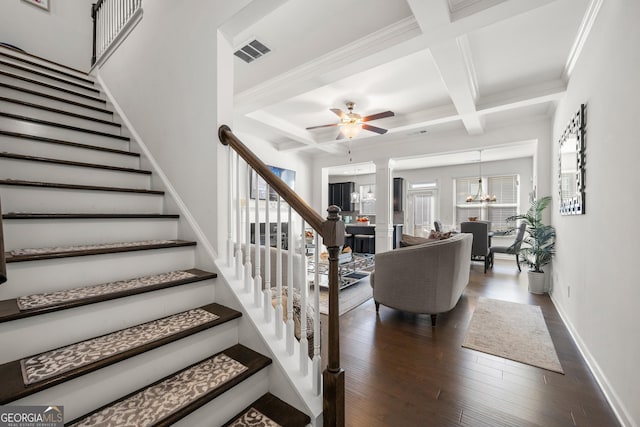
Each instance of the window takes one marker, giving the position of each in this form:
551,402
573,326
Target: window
506,189
421,210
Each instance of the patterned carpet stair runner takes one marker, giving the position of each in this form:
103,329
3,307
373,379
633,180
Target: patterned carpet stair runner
52,367
175,396
30,305
269,411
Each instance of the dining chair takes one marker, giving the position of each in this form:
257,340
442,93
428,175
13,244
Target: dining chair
480,247
437,225
514,249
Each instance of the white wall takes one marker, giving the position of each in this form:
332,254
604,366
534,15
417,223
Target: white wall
597,252
63,34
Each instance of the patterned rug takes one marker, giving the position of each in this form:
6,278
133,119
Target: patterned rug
62,249
513,331
65,359
157,402
254,418
35,301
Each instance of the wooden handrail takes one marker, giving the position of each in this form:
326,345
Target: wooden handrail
332,232
3,261
94,16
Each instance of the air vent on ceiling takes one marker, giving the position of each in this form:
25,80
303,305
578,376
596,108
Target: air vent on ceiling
252,51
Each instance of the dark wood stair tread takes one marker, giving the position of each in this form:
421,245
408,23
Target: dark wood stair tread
72,163
69,143
11,373
276,410
252,360
50,86
51,69
58,111
22,52
58,185
10,310
50,76
85,250
55,98
63,126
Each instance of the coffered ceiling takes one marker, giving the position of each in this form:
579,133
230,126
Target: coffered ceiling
468,65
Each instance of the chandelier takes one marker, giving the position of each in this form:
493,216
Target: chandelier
478,197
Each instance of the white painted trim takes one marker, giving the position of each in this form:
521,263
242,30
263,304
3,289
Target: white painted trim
120,38
610,394
472,76
583,33
182,207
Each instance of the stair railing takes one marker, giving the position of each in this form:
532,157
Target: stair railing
331,229
3,261
109,19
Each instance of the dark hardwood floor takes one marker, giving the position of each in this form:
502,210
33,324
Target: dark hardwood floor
402,372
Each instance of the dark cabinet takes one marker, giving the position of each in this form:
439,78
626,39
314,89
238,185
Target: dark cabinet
398,194
340,195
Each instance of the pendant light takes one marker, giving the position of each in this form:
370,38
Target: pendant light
478,197
354,196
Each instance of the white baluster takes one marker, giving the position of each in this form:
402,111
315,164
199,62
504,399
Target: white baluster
248,278
229,207
257,280
239,269
279,319
317,360
290,256
268,308
304,345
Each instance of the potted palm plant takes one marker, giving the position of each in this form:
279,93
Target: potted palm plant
539,243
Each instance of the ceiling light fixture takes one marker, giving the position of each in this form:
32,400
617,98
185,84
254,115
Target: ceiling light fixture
478,197
354,196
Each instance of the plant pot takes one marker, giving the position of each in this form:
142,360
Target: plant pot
536,282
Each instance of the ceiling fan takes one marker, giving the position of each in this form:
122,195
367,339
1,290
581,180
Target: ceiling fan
350,123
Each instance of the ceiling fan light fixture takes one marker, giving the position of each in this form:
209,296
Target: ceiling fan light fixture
350,129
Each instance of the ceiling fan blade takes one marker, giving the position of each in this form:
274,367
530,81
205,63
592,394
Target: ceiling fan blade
340,135
322,126
374,129
378,116
338,112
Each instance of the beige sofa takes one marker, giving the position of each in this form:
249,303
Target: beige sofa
428,278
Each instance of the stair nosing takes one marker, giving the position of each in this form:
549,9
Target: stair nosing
50,86
90,252
228,315
15,313
265,404
22,52
45,67
55,98
58,111
259,362
73,163
63,126
48,76
62,215
78,187
68,143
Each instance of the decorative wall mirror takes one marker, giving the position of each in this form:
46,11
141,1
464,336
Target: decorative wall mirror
571,165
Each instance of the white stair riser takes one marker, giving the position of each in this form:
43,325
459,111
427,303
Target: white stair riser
29,128
31,147
57,104
51,91
31,277
79,87
51,172
64,232
88,392
224,407
37,199
50,116
49,70
19,54
48,331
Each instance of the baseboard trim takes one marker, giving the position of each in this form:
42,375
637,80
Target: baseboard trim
609,393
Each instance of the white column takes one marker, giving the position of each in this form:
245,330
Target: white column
384,205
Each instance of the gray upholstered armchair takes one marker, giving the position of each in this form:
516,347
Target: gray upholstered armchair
427,279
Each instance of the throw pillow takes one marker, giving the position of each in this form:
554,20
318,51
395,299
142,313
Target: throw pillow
438,235
409,240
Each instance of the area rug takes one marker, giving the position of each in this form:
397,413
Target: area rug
513,331
349,297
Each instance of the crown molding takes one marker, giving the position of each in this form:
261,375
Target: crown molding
583,33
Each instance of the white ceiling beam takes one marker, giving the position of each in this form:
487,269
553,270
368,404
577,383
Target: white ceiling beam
430,14
524,96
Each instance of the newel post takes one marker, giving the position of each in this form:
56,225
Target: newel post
333,376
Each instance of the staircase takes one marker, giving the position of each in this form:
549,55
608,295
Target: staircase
106,310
